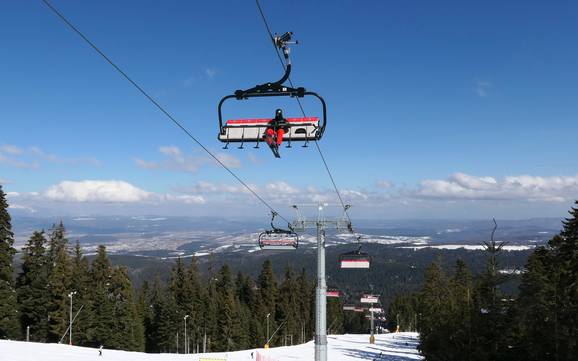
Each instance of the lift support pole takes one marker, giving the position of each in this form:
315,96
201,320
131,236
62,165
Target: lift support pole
301,224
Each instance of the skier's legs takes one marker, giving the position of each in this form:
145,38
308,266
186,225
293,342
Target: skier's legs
269,133
280,133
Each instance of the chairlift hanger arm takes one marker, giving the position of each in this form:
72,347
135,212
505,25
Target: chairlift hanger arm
277,229
282,42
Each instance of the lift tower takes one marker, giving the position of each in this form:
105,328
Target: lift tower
320,224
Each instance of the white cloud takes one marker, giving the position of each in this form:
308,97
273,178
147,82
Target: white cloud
96,191
228,160
384,184
482,87
52,158
179,162
207,73
10,149
13,162
187,199
281,188
204,187
146,165
354,195
189,81
524,187
211,72
171,151
254,159
22,208
31,157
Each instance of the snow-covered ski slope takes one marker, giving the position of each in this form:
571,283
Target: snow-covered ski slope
388,347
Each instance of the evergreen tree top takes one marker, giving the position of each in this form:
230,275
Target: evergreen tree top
6,234
571,224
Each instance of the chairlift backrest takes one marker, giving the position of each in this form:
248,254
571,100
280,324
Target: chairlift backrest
278,240
253,130
333,293
355,260
369,299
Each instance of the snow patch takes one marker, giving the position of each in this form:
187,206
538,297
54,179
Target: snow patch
388,347
469,247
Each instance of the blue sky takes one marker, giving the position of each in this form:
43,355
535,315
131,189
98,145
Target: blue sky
436,109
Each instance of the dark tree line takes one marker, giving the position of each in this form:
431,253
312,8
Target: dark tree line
462,317
224,311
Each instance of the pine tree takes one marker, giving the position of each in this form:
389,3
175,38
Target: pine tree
196,311
268,293
59,278
181,288
489,311
548,304
9,322
461,291
102,325
128,333
306,306
537,308
32,295
144,313
434,313
289,308
566,252
243,290
82,285
257,311
151,297
404,312
162,334
226,311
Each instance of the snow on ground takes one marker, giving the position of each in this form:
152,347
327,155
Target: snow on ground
471,247
387,347
385,239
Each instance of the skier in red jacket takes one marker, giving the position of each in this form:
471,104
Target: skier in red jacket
275,132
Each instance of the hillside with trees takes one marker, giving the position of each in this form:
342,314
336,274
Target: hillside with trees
465,316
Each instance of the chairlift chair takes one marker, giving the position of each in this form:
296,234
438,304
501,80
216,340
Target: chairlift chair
264,130
277,238
355,260
369,298
273,240
333,293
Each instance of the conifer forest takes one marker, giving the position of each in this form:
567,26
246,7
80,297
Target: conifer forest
459,315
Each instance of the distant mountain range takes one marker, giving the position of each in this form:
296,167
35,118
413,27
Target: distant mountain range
185,236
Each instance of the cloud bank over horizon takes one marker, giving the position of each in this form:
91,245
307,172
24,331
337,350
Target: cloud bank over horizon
541,196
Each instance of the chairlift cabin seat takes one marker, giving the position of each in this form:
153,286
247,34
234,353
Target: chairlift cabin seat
355,260
253,130
333,293
278,238
272,240
367,298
